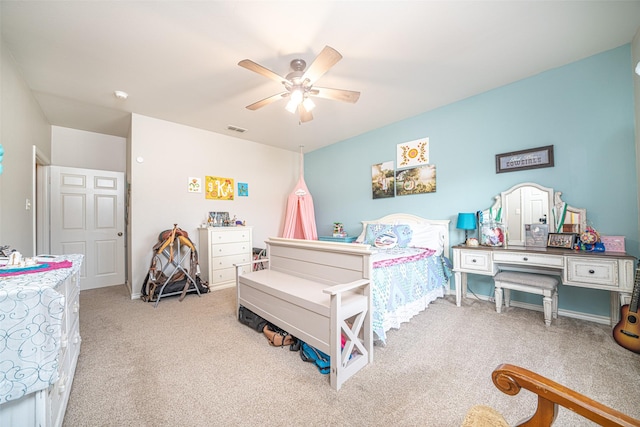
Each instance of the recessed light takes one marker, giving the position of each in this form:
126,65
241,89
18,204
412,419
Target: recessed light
120,94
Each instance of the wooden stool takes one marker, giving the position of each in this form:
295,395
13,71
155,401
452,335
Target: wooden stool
538,284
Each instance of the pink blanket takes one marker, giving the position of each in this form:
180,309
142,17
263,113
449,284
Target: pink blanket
35,268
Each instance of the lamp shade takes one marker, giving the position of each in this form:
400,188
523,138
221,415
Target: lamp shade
466,221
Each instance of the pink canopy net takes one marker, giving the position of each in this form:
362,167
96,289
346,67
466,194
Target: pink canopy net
300,220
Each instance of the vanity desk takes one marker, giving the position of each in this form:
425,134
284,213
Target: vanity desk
612,271
525,204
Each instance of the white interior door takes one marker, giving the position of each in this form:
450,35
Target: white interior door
535,205
87,217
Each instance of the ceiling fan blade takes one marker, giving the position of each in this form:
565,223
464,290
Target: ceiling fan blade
335,94
257,68
267,101
305,116
326,59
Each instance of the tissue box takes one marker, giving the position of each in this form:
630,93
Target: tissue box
613,243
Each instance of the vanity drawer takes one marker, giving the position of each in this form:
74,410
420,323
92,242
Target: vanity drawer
539,260
602,273
476,260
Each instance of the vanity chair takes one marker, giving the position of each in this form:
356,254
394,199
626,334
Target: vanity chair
538,284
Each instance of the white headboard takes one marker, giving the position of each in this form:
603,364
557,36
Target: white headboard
402,218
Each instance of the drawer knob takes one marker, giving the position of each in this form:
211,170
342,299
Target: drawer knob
473,260
591,271
525,259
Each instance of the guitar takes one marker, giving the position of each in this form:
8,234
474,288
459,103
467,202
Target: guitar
627,331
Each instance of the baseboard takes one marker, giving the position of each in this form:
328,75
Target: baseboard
604,320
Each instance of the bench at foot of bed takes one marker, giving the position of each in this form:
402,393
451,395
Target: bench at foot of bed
320,293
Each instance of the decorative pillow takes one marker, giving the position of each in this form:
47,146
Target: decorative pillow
427,236
387,235
360,238
404,233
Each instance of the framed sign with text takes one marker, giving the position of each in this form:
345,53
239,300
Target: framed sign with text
541,157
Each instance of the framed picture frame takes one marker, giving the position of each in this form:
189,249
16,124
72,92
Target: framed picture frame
533,158
219,219
562,240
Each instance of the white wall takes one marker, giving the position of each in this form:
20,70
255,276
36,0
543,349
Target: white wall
171,154
22,125
87,150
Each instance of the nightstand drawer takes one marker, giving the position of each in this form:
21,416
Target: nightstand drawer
476,261
600,272
539,260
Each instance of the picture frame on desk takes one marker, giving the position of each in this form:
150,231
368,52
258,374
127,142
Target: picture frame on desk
562,240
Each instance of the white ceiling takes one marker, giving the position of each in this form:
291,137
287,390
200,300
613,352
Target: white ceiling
178,59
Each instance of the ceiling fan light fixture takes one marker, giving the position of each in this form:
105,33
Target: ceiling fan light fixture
292,106
299,84
297,96
308,104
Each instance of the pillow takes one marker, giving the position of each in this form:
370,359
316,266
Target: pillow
427,236
387,235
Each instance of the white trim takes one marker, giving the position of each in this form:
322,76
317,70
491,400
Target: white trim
604,320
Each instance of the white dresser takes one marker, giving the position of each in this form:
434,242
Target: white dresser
35,386
220,249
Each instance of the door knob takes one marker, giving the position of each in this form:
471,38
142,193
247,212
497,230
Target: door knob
120,234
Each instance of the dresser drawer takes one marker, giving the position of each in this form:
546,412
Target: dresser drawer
539,260
228,261
226,275
227,249
476,261
602,273
230,235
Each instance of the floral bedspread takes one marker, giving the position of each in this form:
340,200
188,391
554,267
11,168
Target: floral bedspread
405,282
31,316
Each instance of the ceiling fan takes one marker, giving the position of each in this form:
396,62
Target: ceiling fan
299,84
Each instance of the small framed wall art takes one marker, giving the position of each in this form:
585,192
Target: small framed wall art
243,189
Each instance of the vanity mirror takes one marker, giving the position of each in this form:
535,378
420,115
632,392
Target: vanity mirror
530,203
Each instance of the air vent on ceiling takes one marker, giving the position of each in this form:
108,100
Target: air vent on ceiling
236,128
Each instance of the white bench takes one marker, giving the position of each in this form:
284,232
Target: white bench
318,292
539,284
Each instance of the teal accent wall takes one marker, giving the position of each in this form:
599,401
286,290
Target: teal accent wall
584,109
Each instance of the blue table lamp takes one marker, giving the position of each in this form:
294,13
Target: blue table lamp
466,222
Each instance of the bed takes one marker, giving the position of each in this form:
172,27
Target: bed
410,268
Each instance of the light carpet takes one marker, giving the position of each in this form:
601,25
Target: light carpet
191,363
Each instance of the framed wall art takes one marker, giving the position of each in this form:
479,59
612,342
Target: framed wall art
413,153
382,180
540,157
218,188
418,180
195,186
243,189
